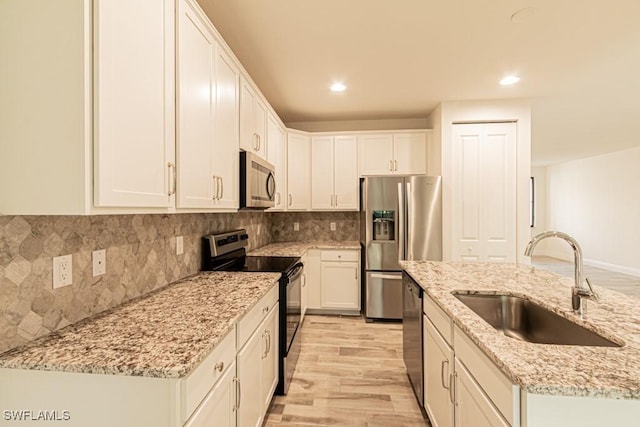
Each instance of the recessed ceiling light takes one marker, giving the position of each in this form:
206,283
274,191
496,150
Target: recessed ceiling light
509,80
338,87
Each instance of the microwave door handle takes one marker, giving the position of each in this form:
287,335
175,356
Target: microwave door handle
271,186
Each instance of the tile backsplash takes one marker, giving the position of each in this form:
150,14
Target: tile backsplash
141,257
314,226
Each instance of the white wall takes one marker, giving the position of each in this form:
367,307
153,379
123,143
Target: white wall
597,201
516,110
540,176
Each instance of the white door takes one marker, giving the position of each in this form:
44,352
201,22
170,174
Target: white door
484,192
346,183
270,358
438,362
217,408
298,172
134,138
410,153
225,155
340,285
322,171
249,366
196,91
376,154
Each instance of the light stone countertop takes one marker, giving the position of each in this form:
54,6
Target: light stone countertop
164,334
603,372
297,249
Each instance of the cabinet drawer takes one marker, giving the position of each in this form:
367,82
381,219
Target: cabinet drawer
503,394
439,318
339,255
256,315
198,383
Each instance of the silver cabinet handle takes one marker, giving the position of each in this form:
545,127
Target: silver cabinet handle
278,196
452,383
219,366
335,199
173,184
265,309
304,280
268,342
356,271
216,190
236,382
290,199
259,143
395,165
255,142
332,200
265,348
221,188
442,365
390,165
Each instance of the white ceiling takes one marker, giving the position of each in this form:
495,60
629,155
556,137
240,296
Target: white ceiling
579,61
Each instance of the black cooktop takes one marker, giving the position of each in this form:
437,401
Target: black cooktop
278,264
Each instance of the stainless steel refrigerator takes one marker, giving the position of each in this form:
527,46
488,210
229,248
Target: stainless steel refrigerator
400,219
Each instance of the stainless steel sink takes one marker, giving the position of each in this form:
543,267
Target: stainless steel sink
525,320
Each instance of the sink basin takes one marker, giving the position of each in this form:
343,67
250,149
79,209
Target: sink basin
525,320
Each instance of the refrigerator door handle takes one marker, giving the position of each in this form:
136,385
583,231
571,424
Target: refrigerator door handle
409,240
401,223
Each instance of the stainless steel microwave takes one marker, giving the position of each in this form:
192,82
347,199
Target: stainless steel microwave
257,182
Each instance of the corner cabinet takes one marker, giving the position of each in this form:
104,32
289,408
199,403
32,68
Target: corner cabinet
334,173
298,171
207,100
402,153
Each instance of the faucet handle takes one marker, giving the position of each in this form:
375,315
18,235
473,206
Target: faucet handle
594,296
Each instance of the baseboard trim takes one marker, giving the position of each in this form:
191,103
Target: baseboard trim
613,267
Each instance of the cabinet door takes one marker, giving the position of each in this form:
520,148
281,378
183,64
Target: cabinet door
276,154
410,153
260,124
322,194
270,358
376,154
473,407
313,277
438,363
225,153
304,294
134,138
196,91
248,140
340,285
249,366
218,407
346,182
298,172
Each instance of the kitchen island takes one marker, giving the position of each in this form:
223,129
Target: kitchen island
145,362
582,385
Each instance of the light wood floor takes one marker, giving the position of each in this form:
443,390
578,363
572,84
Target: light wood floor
624,283
350,373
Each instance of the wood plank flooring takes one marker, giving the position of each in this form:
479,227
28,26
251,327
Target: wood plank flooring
350,373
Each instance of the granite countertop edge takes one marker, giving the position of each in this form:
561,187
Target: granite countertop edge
298,249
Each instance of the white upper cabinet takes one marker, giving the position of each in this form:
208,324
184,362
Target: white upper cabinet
298,171
277,155
207,144
133,103
253,120
334,174
398,153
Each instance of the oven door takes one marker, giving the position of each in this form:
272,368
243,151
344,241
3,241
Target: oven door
294,302
290,291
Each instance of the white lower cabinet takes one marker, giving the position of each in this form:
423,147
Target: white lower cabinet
473,407
340,280
438,376
269,365
218,407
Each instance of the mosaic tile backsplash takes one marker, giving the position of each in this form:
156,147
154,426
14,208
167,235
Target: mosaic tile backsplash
141,257
314,226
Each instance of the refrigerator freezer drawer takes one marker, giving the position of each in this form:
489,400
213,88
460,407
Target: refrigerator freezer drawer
383,295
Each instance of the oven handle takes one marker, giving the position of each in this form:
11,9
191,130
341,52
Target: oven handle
295,272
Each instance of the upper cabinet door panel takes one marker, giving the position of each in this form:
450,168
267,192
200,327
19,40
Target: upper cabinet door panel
410,153
196,90
346,173
247,119
133,100
376,154
322,194
298,172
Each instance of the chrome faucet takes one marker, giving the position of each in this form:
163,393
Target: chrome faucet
579,291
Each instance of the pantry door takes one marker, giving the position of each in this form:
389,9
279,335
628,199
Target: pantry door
484,192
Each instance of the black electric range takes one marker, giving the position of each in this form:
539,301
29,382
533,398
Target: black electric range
227,252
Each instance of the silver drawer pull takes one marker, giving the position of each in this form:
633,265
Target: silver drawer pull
219,366
265,309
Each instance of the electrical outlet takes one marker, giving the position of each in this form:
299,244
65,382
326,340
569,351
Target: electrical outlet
179,245
296,226
62,271
99,259
332,226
